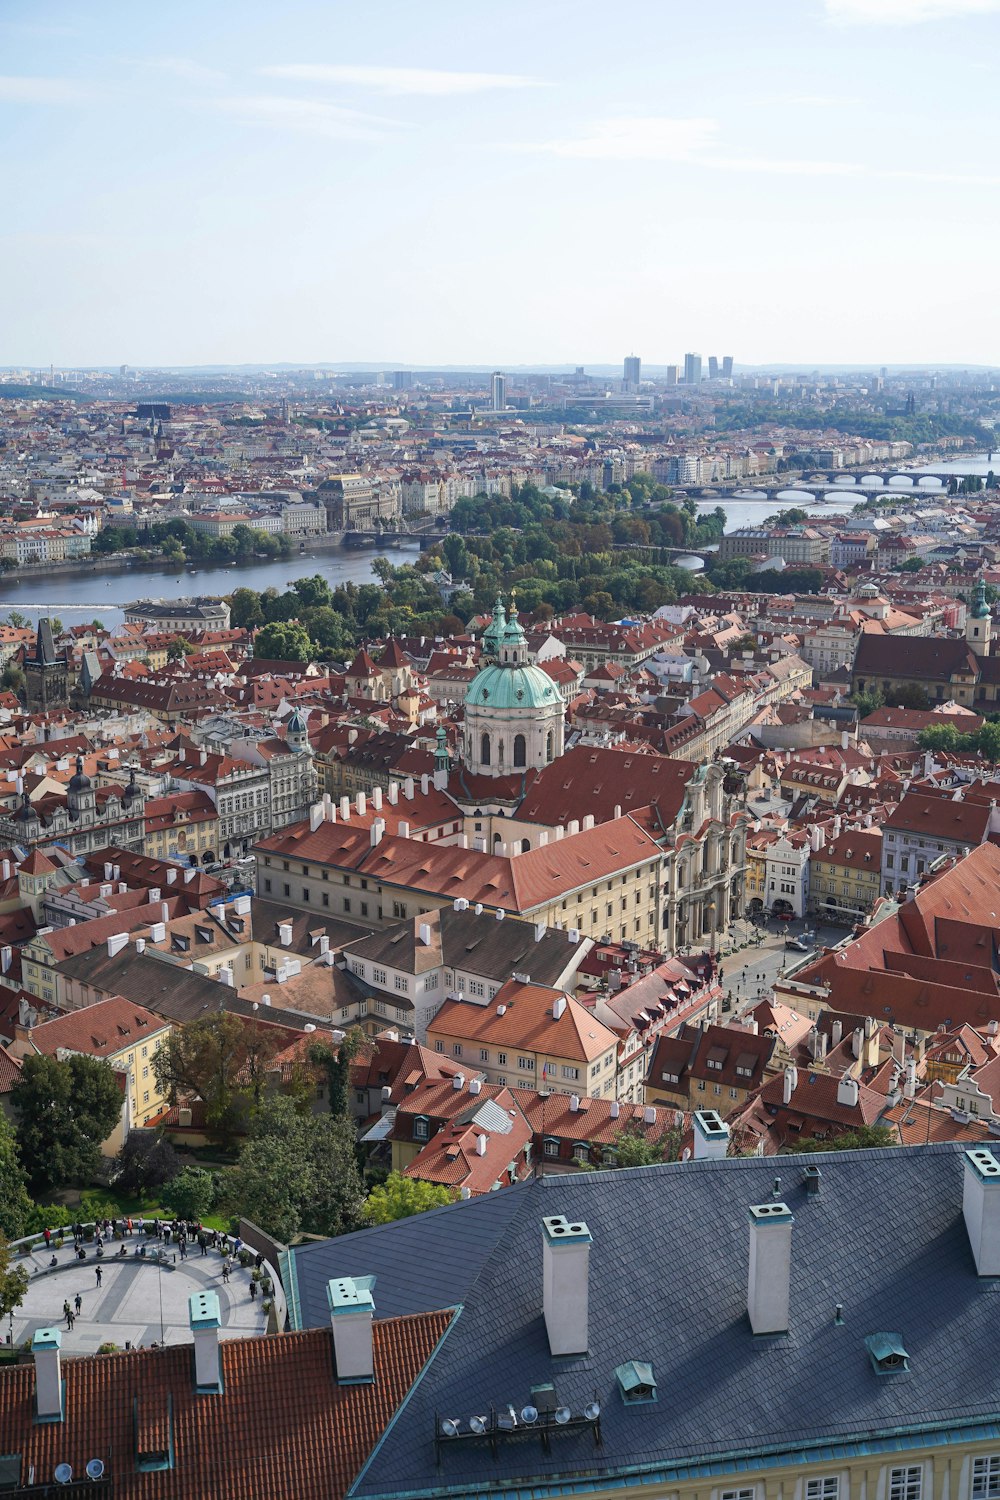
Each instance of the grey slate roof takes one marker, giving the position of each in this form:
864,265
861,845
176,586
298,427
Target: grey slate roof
668,1285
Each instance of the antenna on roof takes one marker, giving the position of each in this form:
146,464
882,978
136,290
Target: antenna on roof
63,1474
95,1469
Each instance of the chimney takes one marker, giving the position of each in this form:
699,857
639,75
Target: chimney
425,784
393,792
566,1284
558,1007
482,1141
588,822
618,810
836,1033
109,870
770,1267
408,788
285,934
154,894
315,816
377,798
377,830
910,1087
116,943
345,808
847,1091
140,945
206,1320
352,1310
475,1085
981,1209
791,1083
425,934
361,803
458,1081
48,1375
171,875
858,1041
574,1103
711,1135
157,933
404,830
615,1109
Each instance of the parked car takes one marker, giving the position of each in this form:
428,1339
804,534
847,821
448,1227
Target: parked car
798,945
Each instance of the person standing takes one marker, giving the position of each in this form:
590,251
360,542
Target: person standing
78,1302
100,1275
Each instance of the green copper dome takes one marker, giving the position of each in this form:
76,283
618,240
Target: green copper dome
980,609
503,687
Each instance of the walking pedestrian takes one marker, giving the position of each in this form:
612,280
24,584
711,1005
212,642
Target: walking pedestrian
202,1244
70,1318
253,1290
225,1270
48,1238
184,1249
66,1311
100,1275
78,1302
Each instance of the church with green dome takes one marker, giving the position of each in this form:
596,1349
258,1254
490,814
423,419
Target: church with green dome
514,714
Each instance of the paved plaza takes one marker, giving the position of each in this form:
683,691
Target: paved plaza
140,1301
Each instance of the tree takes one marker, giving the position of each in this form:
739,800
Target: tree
313,591
909,695
297,1174
179,648
283,641
65,1109
401,1197
245,612
221,1060
13,1282
939,737
145,1162
15,1205
988,741
336,1064
17,620
865,1138
12,678
189,1195
868,701
632,1149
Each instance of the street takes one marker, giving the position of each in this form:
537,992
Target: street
747,973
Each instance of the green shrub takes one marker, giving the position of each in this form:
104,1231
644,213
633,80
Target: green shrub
109,1348
48,1216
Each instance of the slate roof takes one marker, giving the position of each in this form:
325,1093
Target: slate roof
884,1237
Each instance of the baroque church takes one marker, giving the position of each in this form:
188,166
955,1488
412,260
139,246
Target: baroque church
514,714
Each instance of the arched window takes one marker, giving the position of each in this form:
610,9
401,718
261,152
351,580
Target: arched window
520,750
484,750
548,746
525,845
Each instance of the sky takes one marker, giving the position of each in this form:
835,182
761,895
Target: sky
516,183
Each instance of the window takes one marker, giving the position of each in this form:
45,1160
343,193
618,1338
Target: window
571,1073
476,987
484,1054
267,884
286,890
378,976
525,1062
457,1049
421,1131
484,750
905,1483
401,983
986,1477
439,1046
145,1072
550,1147
520,750
748,1494
502,1059
827,1488
347,903
145,1097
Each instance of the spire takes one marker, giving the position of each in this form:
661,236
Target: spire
980,608
442,760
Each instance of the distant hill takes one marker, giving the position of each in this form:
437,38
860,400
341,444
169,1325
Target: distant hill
40,393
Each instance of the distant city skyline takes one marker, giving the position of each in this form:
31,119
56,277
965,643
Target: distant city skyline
808,182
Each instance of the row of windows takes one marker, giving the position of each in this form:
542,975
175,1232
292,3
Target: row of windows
905,1481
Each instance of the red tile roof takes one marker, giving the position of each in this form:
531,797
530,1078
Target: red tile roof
282,1428
100,1030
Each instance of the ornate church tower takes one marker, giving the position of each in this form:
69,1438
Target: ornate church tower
979,623
514,714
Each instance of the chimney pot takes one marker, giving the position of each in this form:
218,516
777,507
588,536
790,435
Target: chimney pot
206,1320
711,1135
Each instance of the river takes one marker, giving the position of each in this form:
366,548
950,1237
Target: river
79,597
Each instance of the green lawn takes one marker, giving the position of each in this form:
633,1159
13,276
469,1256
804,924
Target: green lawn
149,1208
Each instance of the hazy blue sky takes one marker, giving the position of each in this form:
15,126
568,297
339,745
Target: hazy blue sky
529,180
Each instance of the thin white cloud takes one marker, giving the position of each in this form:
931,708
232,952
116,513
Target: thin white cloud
693,142
313,116
14,90
402,81
821,101
904,12
641,138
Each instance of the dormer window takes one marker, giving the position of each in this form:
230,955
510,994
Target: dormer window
636,1382
421,1128
887,1354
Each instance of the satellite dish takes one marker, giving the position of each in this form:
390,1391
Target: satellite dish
593,1411
63,1474
478,1425
507,1420
529,1415
562,1415
450,1426
95,1469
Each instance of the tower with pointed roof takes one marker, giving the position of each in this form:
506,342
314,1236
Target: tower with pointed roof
46,683
979,622
514,713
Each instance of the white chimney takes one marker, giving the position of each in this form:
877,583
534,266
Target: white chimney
315,816
566,1284
768,1287
458,1082
791,1083
425,934
171,875
482,1141
404,830
408,788
711,1135
539,931
345,808
475,1085
858,1041
225,975
361,803
6,869
164,912
618,810
377,831
573,827
352,1311
836,1033
847,1091
588,822
615,1109
558,1007
157,932
109,870
377,798
45,1346
910,1087
981,1209
393,792
116,943
425,784
206,1320
285,934
154,894
574,1102
140,945
324,944
649,1115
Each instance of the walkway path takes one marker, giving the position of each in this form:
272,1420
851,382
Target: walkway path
140,1300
